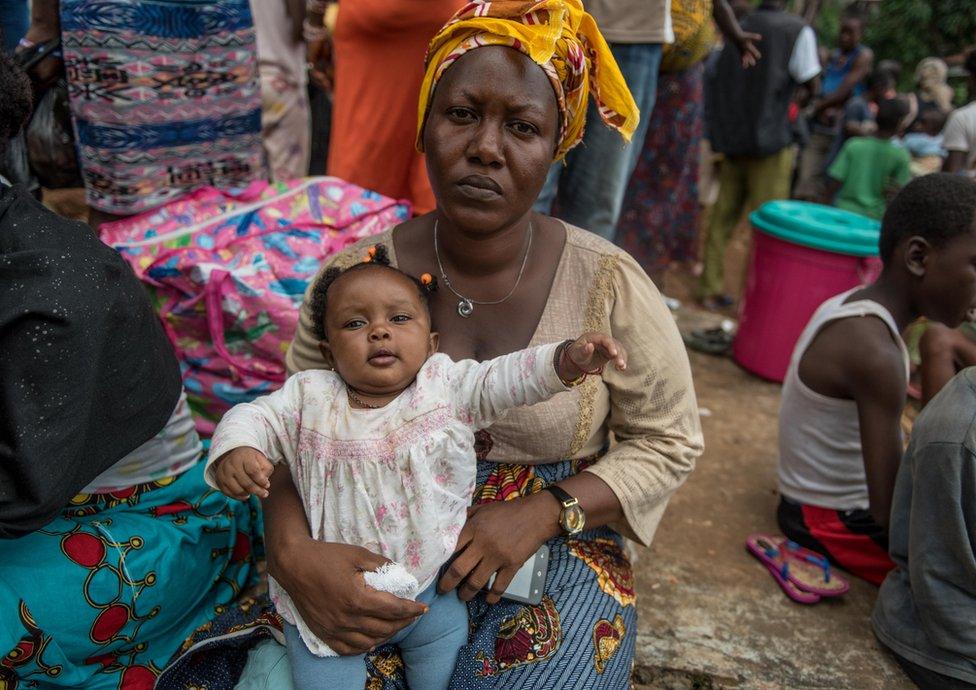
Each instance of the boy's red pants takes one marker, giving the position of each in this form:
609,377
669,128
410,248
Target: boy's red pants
851,539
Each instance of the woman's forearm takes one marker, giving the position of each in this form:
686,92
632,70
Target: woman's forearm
285,524
596,498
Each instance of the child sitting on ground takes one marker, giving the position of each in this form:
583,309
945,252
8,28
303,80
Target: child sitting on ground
839,425
944,352
924,142
382,451
869,170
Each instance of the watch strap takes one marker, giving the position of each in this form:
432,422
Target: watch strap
564,498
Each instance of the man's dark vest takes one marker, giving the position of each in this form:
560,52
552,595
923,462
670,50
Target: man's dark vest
747,113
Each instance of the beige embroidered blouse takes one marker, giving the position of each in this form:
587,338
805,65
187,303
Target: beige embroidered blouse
650,409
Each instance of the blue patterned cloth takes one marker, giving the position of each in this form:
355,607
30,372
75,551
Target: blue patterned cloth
582,634
103,596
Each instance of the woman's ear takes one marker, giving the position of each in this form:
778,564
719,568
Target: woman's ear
327,353
917,251
435,340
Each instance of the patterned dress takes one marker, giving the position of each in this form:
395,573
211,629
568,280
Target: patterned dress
396,480
659,222
164,96
583,632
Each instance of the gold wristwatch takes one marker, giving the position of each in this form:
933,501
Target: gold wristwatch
572,518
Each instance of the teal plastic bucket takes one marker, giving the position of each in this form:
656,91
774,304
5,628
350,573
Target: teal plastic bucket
819,227
802,255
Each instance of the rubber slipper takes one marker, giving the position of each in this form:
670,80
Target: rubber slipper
790,589
808,570
712,341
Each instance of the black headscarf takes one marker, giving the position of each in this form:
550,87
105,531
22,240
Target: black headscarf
87,374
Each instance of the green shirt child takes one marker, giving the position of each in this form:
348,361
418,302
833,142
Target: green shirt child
870,170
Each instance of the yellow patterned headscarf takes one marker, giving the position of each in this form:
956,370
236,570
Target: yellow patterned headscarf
560,37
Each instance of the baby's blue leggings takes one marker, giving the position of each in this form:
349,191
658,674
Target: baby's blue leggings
429,647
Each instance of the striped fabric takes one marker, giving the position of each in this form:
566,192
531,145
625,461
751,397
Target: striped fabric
164,96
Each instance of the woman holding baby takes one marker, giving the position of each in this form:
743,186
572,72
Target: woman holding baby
505,93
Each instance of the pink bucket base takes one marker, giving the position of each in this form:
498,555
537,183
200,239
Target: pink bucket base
784,286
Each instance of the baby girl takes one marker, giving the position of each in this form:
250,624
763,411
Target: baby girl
382,451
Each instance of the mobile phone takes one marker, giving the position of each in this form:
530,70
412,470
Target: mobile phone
529,582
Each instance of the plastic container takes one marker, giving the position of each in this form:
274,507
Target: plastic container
802,255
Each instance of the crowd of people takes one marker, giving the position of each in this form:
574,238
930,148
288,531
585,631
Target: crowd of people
557,156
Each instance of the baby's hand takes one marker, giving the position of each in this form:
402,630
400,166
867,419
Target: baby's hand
588,354
243,472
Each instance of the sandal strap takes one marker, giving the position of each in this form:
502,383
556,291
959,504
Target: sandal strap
816,559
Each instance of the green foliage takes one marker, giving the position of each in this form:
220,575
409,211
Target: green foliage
910,30
827,23
903,30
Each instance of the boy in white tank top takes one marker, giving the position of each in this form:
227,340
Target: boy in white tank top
840,416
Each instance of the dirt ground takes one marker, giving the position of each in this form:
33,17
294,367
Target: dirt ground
710,615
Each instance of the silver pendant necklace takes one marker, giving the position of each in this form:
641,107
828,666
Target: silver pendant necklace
465,305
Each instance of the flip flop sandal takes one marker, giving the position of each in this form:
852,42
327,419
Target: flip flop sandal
808,570
790,589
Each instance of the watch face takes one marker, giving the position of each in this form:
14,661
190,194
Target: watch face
572,519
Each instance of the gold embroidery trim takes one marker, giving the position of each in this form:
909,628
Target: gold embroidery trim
596,315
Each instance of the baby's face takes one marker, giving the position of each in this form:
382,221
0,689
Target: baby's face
378,329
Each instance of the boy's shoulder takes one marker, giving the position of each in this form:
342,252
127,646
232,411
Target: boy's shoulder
855,150
867,337
892,145
853,353
858,145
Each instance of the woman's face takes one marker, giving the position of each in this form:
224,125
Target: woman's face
490,138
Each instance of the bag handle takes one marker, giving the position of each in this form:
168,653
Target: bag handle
213,294
251,208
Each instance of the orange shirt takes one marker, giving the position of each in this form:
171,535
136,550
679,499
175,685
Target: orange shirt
379,48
